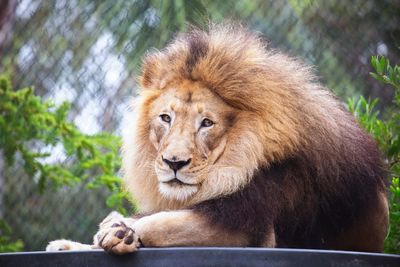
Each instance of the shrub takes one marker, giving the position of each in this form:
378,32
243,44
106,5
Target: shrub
386,130
30,126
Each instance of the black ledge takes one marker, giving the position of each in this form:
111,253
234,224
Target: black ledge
200,257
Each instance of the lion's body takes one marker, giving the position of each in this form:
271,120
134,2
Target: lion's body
270,157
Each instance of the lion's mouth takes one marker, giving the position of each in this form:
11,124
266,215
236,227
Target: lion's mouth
177,182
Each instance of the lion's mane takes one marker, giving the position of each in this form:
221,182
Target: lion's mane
313,171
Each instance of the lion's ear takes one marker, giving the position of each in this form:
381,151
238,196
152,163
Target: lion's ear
154,71
147,77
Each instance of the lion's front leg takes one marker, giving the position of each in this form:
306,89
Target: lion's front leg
105,225
166,229
63,244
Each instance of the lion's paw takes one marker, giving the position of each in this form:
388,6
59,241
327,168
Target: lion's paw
63,244
117,238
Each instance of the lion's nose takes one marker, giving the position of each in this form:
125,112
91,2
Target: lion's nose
175,165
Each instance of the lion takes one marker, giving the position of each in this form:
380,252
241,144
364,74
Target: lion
236,144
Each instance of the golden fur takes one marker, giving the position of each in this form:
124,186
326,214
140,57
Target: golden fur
279,106
267,156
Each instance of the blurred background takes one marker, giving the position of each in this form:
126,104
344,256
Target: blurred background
88,52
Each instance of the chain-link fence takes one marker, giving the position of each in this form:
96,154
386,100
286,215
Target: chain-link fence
88,52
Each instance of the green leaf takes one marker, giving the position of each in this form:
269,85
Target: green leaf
26,119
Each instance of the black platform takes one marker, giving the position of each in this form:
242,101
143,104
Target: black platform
200,257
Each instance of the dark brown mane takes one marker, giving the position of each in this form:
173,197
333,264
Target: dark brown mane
290,196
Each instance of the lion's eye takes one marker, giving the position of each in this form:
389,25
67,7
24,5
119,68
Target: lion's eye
207,123
165,118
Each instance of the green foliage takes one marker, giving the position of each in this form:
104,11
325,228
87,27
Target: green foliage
386,130
7,244
385,73
30,129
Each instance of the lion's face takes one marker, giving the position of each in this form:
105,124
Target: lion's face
212,110
188,128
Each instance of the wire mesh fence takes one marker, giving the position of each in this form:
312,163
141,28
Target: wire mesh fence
88,52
